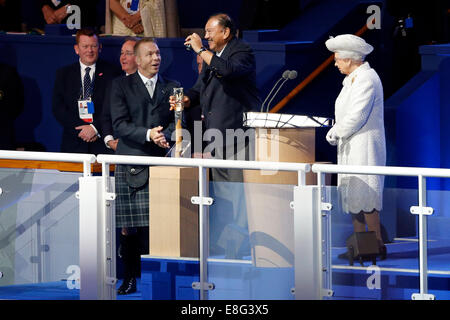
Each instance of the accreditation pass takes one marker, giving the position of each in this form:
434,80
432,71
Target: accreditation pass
86,110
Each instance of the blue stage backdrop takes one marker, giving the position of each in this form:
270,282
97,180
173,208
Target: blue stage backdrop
298,46
37,58
415,115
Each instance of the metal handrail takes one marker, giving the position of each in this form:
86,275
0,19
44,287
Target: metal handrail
382,170
86,159
202,164
210,163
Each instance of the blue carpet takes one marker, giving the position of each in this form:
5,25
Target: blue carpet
39,291
52,291
402,254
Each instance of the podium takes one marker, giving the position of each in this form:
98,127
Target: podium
173,218
278,138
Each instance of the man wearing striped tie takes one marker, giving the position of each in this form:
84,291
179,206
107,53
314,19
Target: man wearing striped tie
78,96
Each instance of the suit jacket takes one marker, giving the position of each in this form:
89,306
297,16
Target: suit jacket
227,87
67,91
133,112
11,104
105,117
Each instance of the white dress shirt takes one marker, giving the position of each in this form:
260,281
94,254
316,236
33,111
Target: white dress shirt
83,72
144,79
221,51
153,80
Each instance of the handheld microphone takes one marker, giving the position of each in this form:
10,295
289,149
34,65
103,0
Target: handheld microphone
290,76
285,76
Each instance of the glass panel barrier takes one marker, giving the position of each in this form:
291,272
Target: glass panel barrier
396,277
251,239
39,256
439,243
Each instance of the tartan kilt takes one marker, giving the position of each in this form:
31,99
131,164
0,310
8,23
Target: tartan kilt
132,205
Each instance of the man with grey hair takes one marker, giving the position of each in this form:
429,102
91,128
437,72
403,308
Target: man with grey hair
359,133
129,66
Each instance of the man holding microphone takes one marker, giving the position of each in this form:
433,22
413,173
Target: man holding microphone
225,89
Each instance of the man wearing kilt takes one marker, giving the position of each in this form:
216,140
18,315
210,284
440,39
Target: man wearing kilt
143,124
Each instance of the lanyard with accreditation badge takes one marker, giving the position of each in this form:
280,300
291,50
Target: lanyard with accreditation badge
86,108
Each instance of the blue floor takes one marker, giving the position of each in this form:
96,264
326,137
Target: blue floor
52,291
404,254
400,278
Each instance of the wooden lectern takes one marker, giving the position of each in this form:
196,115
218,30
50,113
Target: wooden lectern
278,138
173,229
173,218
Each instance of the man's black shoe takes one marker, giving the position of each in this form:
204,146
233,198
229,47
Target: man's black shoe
128,286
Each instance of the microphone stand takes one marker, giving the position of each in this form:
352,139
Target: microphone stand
267,108
289,76
284,76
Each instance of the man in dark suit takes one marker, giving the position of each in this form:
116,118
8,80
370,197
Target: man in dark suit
11,104
143,124
129,66
225,89
85,80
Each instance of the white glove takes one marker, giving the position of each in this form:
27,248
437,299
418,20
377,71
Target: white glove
332,138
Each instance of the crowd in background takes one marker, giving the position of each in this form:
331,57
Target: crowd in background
32,15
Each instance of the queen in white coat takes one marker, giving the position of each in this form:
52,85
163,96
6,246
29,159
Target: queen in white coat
359,132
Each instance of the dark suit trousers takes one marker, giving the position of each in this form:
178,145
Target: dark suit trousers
230,234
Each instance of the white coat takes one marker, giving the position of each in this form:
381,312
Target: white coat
360,137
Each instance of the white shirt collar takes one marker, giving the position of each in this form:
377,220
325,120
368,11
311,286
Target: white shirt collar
154,79
83,67
221,51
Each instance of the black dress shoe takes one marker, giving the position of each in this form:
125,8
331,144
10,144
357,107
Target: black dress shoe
128,286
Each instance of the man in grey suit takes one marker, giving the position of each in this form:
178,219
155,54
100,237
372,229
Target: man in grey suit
143,124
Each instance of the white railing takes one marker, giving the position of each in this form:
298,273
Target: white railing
421,210
97,236
84,210
202,165
85,159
